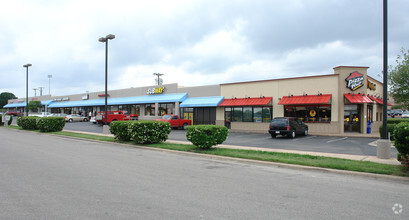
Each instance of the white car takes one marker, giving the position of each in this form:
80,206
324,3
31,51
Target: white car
405,114
93,120
41,115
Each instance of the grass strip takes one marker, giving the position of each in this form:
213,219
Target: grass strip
289,158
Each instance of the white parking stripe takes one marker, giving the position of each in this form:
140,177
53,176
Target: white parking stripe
340,139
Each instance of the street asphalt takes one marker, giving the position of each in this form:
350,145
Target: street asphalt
50,177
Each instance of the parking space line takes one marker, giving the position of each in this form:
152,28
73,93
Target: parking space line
339,139
304,138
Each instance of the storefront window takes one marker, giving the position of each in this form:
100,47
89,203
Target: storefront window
316,113
150,109
248,114
165,108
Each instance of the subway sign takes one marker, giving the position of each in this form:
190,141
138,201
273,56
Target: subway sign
159,90
355,80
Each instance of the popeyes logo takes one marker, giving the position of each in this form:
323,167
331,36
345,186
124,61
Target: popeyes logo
355,80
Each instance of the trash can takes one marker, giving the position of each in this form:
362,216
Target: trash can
368,128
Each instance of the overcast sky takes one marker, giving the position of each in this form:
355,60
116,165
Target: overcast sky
192,42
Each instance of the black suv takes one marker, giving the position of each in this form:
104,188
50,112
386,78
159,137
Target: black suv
287,126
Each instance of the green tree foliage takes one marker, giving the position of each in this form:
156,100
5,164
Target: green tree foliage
33,105
4,97
399,80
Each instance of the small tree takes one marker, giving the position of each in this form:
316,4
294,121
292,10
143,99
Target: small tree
399,80
34,105
4,97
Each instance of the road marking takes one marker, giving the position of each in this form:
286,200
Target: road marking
304,138
339,139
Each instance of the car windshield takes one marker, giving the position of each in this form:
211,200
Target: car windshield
167,117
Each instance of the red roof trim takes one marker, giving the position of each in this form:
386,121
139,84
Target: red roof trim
263,101
357,98
305,100
378,100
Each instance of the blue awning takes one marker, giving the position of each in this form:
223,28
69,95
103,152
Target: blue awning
47,102
210,101
15,105
162,98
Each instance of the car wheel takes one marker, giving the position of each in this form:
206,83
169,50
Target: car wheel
292,135
184,126
305,132
85,119
70,120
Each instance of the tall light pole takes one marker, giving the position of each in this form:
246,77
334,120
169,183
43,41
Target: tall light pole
105,40
49,84
26,108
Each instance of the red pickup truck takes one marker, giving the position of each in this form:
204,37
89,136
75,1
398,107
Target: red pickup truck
115,116
175,121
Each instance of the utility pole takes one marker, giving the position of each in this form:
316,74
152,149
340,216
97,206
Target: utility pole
49,84
159,81
35,92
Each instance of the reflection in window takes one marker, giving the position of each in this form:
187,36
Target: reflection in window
248,114
309,113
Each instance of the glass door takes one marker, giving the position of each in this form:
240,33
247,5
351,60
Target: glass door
352,118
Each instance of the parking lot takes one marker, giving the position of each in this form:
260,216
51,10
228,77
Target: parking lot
341,145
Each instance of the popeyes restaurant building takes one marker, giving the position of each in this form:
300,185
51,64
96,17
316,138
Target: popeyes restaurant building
334,104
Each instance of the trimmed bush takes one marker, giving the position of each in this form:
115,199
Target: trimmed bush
389,129
401,136
206,136
396,120
28,122
2,122
51,124
141,132
149,132
120,130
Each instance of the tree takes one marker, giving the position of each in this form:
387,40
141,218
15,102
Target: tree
34,105
399,80
4,97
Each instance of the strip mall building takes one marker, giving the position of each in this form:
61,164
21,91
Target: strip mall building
333,104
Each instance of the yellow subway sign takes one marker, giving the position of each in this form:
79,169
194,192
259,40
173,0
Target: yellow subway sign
158,90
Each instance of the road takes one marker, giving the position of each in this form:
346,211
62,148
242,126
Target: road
340,145
50,177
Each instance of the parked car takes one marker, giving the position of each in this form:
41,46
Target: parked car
15,113
93,120
41,114
75,117
115,116
175,121
58,115
287,126
396,113
405,114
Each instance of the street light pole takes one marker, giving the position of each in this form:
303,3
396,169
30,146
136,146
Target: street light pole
49,84
26,108
105,40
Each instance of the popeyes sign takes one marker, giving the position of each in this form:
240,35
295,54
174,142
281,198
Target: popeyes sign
355,80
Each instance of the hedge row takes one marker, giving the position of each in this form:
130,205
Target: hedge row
401,136
2,122
48,124
141,132
206,136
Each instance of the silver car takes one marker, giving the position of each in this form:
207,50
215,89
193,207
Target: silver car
405,114
75,117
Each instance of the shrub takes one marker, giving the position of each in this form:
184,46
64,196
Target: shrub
396,120
51,124
389,129
28,122
206,136
401,136
145,132
2,122
120,130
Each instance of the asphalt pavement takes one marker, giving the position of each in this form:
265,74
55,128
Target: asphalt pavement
51,177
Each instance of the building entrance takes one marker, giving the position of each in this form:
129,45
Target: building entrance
352,118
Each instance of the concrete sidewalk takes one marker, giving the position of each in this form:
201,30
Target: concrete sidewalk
392,161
